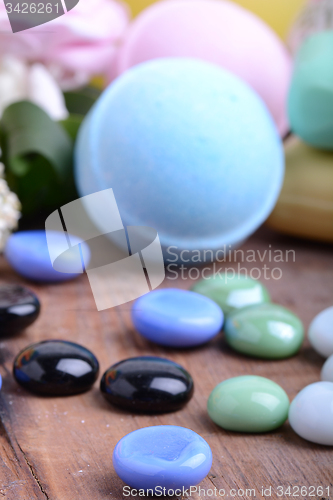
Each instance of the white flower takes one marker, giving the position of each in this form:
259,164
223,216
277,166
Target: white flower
21,81
9,210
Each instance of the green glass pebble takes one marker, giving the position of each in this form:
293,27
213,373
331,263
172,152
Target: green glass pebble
248,404
266,331
232,292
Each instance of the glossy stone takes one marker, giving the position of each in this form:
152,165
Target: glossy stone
321,332
19,308
327,370
165,456
248,404
0,381
27,252
56,368
176,318
147,384
311,413
232,292
265,331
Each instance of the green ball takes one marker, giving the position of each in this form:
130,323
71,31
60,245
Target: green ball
248,404
232,292
310,102
266,331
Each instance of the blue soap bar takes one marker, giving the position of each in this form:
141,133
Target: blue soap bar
177,318
27,252
164,456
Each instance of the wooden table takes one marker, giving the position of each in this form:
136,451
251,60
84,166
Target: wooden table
60,448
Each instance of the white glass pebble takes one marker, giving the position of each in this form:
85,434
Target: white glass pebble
311,413
321,332
327,370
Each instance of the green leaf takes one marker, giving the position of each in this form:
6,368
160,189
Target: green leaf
72,125
29,129
80,101
38,156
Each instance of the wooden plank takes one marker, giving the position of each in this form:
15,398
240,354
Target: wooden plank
61,448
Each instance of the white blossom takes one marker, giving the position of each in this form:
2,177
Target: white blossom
9,209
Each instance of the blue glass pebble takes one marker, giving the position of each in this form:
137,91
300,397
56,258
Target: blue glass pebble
27,253
0,381
165,456
177,318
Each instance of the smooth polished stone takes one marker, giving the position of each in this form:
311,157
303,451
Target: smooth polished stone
176,318
248,404
27,252
232,291
147,384
266,331
327,370
19,308
311,413
56,368
321,333
165,456
0,381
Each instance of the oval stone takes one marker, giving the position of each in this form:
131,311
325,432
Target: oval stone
19,308
27,252
321,332
311,413
248,404
56,368
266,331
147,384
177,318
231,291
165,456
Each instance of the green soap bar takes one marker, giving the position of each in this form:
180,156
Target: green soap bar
248,404
310,101
265,331
232,292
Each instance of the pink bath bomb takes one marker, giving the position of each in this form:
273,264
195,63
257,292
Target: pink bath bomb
216,31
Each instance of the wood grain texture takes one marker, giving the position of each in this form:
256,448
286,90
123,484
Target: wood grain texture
61,448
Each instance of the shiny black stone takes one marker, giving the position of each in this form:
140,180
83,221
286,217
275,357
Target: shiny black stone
56,368
147,384
19,307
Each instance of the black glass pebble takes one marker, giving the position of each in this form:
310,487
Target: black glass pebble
56,368
147,384
19,307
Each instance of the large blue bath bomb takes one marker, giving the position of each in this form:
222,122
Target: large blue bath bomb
188,148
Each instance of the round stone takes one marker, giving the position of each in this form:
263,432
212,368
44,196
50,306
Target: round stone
177,318
56,368
19,308
311,413
327,370
321,333
147,384
164,456
265,331
232,291
27,252
248,404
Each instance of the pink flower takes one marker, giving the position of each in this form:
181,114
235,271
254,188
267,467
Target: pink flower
75,46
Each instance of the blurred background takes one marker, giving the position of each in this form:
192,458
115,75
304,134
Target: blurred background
51,78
